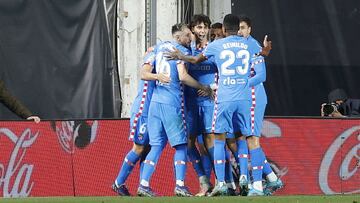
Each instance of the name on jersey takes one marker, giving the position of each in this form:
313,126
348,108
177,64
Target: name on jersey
235,44
233,81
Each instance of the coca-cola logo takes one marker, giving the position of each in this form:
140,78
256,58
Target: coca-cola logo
346,169
75,134
17,172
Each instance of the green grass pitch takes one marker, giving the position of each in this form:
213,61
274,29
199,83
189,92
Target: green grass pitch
273,199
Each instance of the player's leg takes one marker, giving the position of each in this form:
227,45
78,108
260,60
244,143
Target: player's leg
204,155
273,183
205,127
231,143
241,123
223,124
139,136
193,122
146,151
174,125
243,156
158,141
207,142
257,156
229,179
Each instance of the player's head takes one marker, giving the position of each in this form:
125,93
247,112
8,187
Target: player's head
245,26
337,96
231,24
181,34
200,25
216,31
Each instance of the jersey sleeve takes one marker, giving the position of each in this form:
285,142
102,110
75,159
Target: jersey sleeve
255,47
258,71
210,50
186,52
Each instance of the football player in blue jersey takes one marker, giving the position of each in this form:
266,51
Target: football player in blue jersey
167,113
259,101
138,127
216,32
199,110
233,56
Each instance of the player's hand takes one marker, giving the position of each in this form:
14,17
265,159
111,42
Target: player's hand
36,119
172,55
265,51
205,91
161,77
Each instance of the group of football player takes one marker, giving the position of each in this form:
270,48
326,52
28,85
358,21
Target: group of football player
203,93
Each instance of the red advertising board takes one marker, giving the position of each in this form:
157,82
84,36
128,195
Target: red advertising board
82,158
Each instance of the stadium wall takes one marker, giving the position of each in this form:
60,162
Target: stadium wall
82,158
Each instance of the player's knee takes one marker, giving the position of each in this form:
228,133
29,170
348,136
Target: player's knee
220,136
138,149
209,140
253,142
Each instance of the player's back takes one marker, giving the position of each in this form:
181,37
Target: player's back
232,56
168,93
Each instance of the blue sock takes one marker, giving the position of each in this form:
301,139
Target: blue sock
243,157
143,156
267,168
257,159
219,159
180,158
228,168
195,159
150,162
127,166
207,166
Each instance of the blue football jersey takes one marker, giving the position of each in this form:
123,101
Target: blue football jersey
204,73
170,93
145,90
233,56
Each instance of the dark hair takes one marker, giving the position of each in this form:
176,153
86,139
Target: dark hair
245,19
216,26
337,94
178,27
200,18
231,23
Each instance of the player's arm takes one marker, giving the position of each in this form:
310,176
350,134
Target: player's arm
177,54
260,70
146,74
186,79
